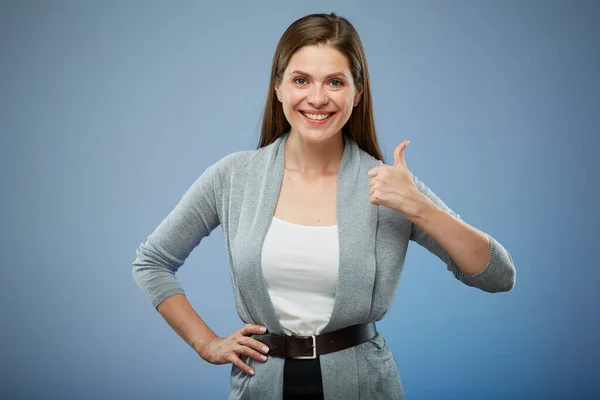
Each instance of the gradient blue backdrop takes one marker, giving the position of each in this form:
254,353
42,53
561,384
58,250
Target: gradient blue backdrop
110,110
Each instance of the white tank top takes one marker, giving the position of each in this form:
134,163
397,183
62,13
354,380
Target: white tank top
300,265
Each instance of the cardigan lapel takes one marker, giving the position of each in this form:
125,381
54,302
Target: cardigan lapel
260,198
357,223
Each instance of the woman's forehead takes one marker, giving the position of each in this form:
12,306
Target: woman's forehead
318,61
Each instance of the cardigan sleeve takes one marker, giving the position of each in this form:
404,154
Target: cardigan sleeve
165,250
499,273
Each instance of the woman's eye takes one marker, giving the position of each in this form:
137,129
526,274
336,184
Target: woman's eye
336,83
300,81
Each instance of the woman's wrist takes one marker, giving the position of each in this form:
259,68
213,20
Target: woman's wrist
200,346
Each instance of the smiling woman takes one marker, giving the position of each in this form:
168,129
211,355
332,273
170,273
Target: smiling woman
316,229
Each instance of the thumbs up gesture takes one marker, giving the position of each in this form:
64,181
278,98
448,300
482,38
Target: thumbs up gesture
393,187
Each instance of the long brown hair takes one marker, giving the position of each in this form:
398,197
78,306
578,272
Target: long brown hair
336,31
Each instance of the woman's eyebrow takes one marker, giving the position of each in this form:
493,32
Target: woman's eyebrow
335,74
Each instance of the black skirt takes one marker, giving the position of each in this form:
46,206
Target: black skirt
302,380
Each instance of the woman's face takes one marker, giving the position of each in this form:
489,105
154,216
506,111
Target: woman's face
317,92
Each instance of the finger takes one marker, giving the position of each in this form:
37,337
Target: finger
377,182
254,344
373,191
399,153
251,329
378,178
373,199
247,351
235,360
373,172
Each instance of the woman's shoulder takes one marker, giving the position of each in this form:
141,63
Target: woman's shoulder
234,160
239,160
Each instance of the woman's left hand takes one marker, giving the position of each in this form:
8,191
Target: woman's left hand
393,187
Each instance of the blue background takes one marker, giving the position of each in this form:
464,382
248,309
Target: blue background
110,110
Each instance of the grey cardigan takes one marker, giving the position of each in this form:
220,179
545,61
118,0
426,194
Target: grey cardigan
240,192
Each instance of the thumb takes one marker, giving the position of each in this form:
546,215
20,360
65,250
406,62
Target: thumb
399,153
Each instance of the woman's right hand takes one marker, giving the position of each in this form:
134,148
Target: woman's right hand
229,349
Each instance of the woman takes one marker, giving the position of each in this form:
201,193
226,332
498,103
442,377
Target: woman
316,229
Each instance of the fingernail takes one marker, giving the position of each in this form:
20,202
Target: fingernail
263,329
264,358
265,349
251,372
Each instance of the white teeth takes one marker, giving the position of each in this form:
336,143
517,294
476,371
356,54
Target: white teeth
317,117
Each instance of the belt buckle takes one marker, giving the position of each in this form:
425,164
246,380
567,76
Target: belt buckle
314,348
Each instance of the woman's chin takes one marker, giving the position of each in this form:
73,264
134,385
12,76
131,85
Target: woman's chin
317,136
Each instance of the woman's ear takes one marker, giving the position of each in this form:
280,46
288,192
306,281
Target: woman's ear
358,95
277,92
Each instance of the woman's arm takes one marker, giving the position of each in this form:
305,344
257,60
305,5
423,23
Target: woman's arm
474,257
161,255
166,249
182,318
469,247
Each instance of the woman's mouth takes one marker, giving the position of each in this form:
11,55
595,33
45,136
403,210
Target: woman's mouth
316,118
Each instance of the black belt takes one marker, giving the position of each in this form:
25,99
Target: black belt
310,346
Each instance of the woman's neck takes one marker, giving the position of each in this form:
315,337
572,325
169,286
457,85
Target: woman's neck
314,158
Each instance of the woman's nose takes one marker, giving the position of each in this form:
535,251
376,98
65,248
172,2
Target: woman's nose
317,96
